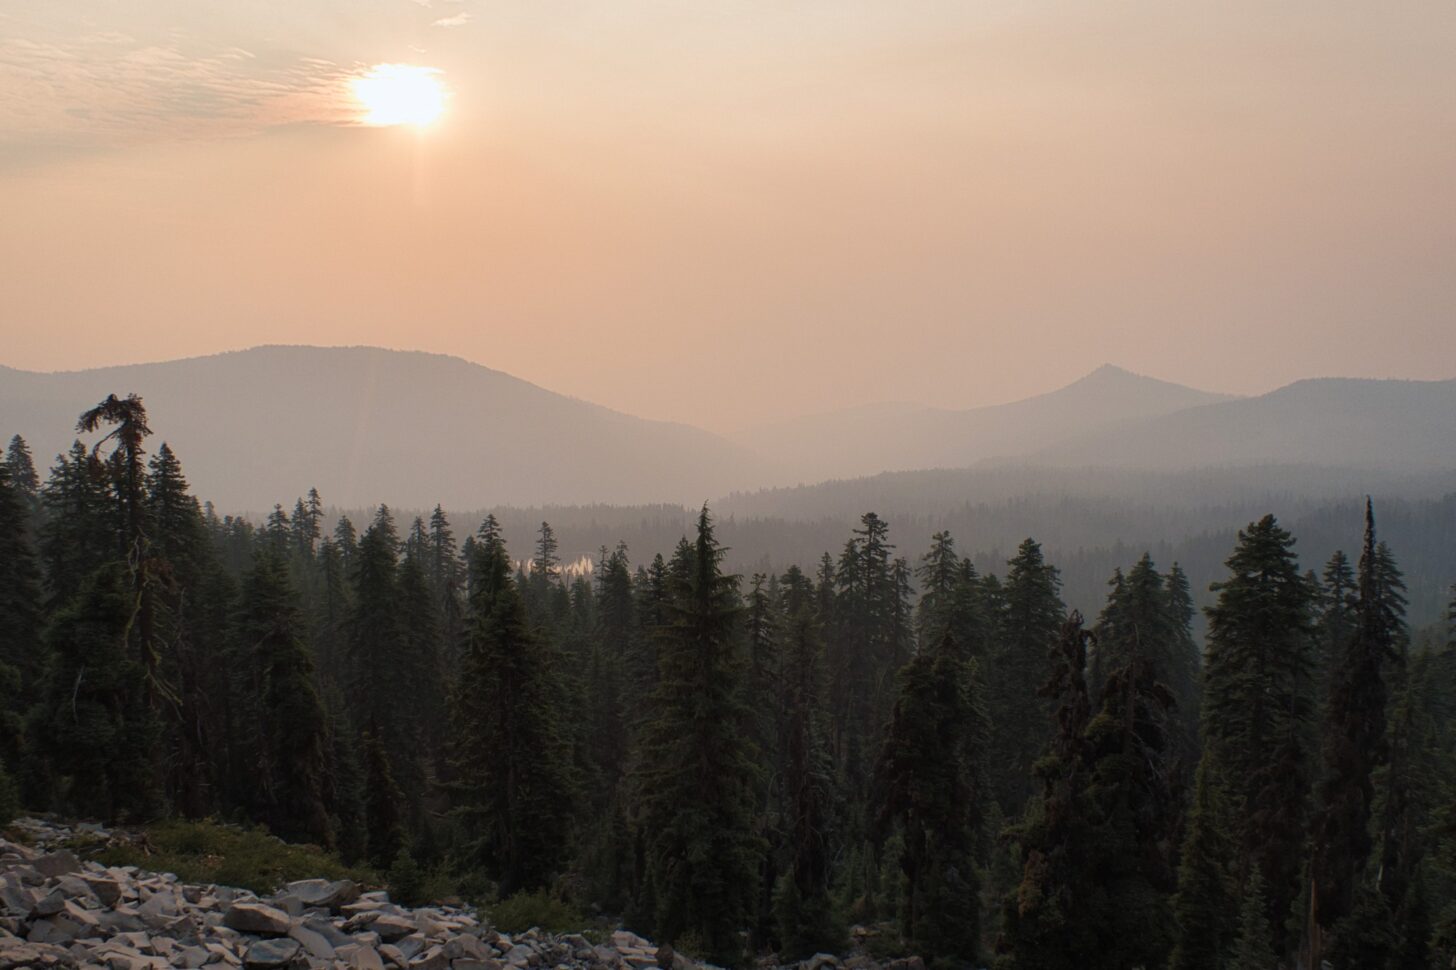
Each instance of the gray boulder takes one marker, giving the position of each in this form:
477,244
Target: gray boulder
258,918
270,954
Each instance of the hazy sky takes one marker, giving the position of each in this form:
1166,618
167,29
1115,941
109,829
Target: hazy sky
723,211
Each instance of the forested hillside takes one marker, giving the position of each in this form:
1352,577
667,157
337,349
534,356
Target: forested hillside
882,738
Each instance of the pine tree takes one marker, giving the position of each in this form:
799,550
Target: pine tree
513,768
1029,615
1355,735
1097,875
79,530
383,804
21,466
188,600
1257,707
1144,618
939,575
929,777
696,781
868,626
294,739
420,641
21,658
1187,658
447,580
377,657
612,648
802,905
1044,925
21,619
94,727
1252,948
1204,906
1339,597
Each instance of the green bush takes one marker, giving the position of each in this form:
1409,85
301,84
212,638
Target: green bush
522,911
406,879
208,852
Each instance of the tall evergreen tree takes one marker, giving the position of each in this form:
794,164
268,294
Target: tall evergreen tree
805,918
1097,874
189,599
1204,908
512,762
1338,601
383,803
94,727
1028,615
293,750
79,533
1355,736
932,791
377,658
696,780
1257,707
1252,948
21,465
21,622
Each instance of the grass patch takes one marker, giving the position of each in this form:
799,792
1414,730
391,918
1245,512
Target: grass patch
207,852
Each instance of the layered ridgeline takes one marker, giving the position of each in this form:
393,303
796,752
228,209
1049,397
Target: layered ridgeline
891,745
366,425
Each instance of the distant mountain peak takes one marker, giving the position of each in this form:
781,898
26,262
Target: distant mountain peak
1110,376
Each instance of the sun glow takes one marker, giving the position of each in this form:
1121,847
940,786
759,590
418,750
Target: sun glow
400,94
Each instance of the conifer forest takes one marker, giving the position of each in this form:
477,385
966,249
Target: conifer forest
882,744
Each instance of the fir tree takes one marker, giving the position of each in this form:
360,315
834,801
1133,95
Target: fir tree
929,776
377,659
1252,948
21,466
383,804
1204,907
802,905
95,729
79,531
697,777
1337,622
21,619
1355,735
1257,707
1028,617
188,601
512,763
295,734
1187,655
1044,924
1097,875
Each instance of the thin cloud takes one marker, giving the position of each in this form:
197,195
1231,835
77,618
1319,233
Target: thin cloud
458,20
105,89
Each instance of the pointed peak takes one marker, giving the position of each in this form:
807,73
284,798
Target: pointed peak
1111,372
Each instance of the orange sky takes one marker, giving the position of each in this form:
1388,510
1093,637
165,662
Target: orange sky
724,212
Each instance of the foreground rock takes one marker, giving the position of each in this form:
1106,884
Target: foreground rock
57,910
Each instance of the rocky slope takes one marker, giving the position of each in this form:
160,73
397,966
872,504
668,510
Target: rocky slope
60,911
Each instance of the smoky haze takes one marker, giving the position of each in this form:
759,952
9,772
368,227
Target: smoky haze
733,215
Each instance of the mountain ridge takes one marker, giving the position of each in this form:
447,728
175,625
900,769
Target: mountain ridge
412,428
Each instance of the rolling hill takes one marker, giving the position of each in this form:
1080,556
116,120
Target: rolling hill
902,437
365,425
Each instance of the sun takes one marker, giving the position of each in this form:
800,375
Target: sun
400,94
